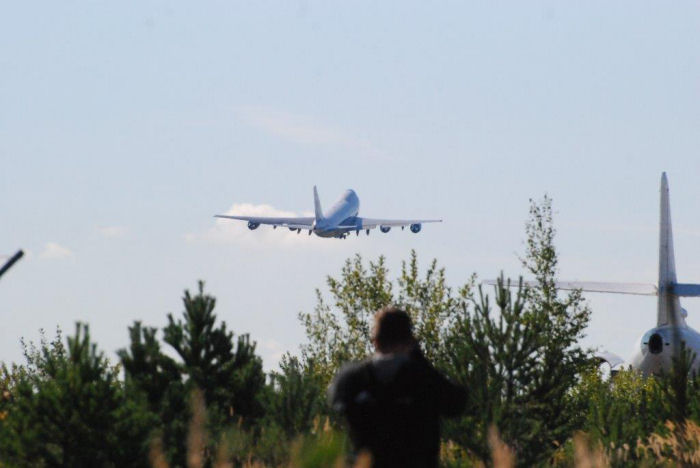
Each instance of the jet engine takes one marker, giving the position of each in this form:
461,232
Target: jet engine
656,343
415,228
252,225
385,229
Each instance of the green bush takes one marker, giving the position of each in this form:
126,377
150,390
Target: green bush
66,407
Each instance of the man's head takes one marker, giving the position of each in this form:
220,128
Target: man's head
392,331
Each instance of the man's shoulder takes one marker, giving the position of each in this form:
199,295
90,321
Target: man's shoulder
353,370
349,380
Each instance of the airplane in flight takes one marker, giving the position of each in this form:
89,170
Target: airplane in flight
340,220
655,349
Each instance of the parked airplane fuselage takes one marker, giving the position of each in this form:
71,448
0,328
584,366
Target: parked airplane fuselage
654,350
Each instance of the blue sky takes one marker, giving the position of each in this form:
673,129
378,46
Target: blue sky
125,126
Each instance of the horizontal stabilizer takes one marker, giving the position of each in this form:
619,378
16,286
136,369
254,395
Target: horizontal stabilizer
640,289
685,290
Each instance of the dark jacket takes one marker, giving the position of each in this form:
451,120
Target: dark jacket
393,405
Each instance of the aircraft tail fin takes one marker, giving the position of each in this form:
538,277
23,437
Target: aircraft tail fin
669,304
317,205
667,289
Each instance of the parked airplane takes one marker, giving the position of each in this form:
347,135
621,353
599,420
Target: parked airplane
655,349
338,222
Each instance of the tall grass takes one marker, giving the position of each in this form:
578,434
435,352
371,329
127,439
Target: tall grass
323,447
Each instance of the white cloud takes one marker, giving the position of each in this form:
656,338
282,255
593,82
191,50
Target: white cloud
113,232
52,250
305,130
229,231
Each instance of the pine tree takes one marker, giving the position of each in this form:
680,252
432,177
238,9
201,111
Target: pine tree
521,362
155,377
296,397
68,408
146,367
227,371
229,378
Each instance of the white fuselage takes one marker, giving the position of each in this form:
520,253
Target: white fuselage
340,218
654,350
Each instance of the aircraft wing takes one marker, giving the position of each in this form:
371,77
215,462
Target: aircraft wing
370,223
639,289
305,222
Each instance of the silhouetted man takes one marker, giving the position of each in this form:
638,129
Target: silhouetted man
393,401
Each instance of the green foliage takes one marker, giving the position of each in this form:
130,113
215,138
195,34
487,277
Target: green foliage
340,332
339,329
320,451
155,377
622,412
619,410
227,371
431,304
516,351
272,448
296,397
486,356
146,367
230,378
521,362
679,384
67,408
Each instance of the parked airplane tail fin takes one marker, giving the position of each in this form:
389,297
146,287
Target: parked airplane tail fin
317,205
667,289
669,312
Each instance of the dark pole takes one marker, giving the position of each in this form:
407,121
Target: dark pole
11,262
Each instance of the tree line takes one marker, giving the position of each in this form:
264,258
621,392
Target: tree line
532,388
